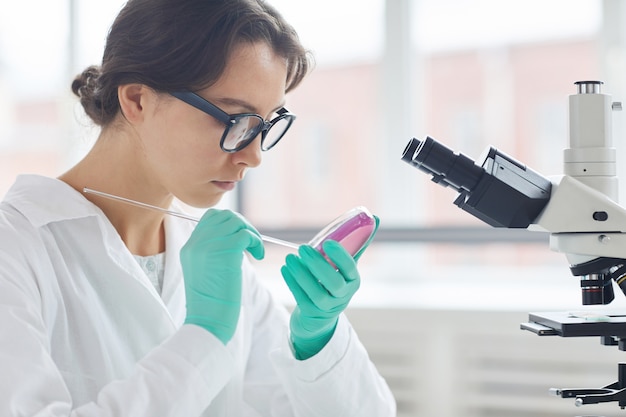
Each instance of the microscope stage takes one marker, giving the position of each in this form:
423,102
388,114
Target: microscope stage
577,324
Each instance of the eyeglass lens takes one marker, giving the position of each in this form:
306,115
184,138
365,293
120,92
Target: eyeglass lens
247,128
276,132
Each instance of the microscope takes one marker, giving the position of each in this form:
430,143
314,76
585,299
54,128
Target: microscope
578,209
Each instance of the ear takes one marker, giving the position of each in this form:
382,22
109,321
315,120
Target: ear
133,99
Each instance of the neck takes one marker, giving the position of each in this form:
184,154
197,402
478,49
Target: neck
107,169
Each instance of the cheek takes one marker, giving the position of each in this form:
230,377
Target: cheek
188,143
191,157
181,146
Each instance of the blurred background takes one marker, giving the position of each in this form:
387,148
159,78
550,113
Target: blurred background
442,295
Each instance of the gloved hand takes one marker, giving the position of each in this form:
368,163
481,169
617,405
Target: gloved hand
211,261
321,292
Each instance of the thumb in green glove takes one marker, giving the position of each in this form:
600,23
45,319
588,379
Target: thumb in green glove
321,292
211,261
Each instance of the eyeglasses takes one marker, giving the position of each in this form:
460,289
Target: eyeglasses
241,129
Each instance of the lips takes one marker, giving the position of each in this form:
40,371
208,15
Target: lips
225,185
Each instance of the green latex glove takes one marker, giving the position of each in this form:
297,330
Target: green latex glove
211,261
321,293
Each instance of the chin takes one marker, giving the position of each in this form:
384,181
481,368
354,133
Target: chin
201,202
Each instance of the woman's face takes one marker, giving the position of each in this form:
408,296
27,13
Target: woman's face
181,144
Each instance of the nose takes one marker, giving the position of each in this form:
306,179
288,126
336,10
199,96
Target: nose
250,155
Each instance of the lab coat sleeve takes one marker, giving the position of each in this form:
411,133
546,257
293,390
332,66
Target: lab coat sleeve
340,380
177,378
263,390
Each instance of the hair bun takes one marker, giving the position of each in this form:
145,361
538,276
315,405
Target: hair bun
87,87
86,83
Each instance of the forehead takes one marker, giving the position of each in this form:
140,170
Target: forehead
254,74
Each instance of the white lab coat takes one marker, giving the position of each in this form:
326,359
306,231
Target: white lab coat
84,333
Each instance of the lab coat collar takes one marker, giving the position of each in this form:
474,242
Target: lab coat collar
43,200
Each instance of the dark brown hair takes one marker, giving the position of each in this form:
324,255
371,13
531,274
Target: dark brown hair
172,45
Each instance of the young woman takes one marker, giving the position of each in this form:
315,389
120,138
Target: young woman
108,309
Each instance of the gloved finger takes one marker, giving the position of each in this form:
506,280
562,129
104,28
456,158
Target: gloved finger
233,222
323,271
299,294
357,256
200,230
342,260
252,243
317,295
314,260
310,285
213,217
225,221
236,238
219,228
317,308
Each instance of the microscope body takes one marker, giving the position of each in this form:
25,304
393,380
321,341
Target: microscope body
578,209
583,216
589,167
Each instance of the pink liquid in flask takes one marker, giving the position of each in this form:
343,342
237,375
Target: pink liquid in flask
353,230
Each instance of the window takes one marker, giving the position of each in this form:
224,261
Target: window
386,71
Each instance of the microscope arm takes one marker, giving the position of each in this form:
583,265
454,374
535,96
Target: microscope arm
583,223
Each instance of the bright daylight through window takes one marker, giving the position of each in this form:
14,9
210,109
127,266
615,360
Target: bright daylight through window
470,74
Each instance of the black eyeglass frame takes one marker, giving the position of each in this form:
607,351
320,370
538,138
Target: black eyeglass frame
230,120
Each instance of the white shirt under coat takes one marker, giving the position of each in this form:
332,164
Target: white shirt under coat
83,332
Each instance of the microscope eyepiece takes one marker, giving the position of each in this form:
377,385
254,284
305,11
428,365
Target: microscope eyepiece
502,192
409,151
446,166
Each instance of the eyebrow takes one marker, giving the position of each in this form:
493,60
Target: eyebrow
244,104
